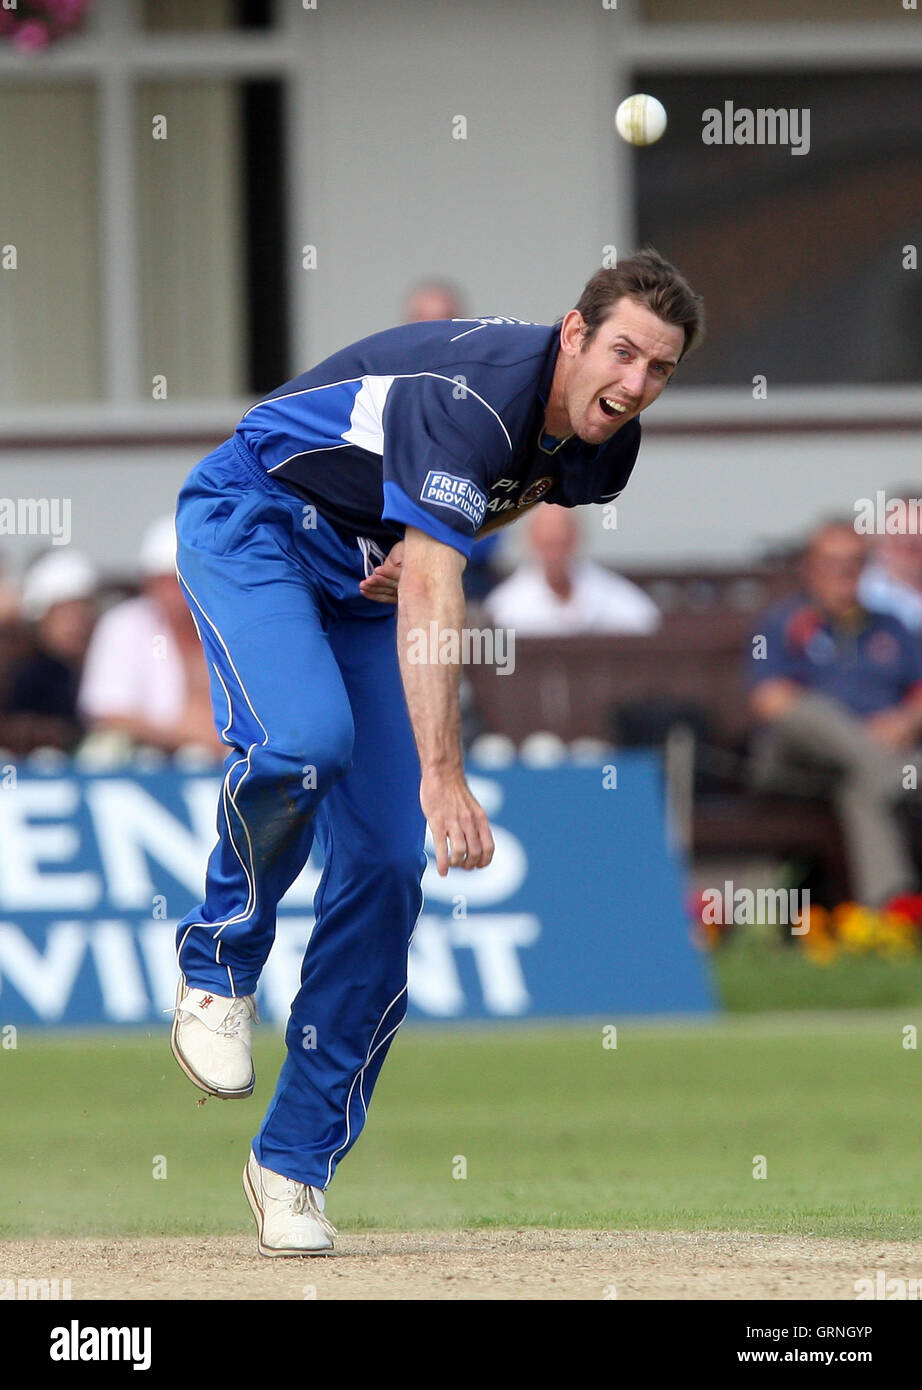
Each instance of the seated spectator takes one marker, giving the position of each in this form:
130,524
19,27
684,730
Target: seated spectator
433,299
555,592
145,676
838,691
58,600
892,581
9,600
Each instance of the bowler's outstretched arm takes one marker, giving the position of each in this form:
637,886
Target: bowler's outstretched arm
430,592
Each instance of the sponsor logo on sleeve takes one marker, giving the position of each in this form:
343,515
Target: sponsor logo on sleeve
457,494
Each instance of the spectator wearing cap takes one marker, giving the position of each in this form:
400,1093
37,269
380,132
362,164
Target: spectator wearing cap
837,690
58,601
558,592
145,677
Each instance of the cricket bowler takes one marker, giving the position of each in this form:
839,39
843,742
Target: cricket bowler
336,521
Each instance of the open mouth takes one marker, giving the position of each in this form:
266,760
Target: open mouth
611,408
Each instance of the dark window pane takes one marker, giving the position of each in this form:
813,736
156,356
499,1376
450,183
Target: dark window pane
799,256
265,237
165,16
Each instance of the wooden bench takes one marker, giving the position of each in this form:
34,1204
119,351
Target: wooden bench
575,686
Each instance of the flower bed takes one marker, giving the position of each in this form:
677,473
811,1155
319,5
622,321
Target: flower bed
893,930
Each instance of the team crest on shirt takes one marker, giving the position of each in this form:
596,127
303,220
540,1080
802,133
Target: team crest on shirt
535,492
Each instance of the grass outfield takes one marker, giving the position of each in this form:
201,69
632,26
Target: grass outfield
557,1131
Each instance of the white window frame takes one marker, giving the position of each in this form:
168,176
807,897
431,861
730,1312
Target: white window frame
768,47
115,53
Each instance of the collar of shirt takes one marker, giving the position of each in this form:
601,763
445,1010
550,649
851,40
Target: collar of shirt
852,623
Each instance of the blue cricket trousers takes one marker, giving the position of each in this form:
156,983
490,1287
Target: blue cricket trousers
307,694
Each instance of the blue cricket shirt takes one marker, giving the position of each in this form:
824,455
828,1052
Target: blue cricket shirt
437,425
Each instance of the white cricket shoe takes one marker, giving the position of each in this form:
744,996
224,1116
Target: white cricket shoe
211,1041
289,1215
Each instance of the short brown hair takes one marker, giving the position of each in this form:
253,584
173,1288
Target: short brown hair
648,279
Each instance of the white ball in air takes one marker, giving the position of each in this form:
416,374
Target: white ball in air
640,119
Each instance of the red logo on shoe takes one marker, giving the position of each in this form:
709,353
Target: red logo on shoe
209,999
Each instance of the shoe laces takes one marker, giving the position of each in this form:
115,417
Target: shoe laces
237,1015
304,1203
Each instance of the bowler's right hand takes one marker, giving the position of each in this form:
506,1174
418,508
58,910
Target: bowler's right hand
459,825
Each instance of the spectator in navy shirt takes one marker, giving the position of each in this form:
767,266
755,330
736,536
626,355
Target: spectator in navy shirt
837,688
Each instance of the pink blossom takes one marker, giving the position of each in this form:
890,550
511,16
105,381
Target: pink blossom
39,22
31,36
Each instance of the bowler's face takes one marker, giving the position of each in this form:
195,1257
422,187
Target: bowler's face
622,371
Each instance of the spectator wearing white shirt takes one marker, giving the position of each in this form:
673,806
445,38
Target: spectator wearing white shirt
560,593
892,582
145,676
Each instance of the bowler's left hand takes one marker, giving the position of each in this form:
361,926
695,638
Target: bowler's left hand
381,584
